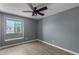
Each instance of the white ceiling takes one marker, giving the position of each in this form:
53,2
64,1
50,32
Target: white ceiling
53,8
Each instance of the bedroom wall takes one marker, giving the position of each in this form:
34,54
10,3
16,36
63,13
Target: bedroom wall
61,29
0,28
30,26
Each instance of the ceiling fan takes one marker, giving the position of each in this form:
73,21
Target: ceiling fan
35,10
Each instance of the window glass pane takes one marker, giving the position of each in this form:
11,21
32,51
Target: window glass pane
10,26
18,26
14,26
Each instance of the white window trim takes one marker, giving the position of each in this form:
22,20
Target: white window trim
14,39
5,18
15,19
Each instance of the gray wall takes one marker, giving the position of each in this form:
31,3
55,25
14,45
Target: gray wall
61,29
0,29
30,26
14,35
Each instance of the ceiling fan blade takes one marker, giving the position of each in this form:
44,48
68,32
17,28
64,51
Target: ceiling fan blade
40,13
42,9
27,11
31,6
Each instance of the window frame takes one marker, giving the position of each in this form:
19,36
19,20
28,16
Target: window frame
14,19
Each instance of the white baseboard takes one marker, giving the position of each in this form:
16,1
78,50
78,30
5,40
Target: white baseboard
17,44
72,52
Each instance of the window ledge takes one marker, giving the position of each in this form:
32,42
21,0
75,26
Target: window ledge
14,39
15,33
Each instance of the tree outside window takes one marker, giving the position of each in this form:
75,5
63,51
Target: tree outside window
14,26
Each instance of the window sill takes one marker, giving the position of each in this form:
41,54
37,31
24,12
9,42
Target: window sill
14,39
15,33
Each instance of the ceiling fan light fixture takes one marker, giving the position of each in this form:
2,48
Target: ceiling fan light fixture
36,11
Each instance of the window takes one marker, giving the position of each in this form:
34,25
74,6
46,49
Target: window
14,26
